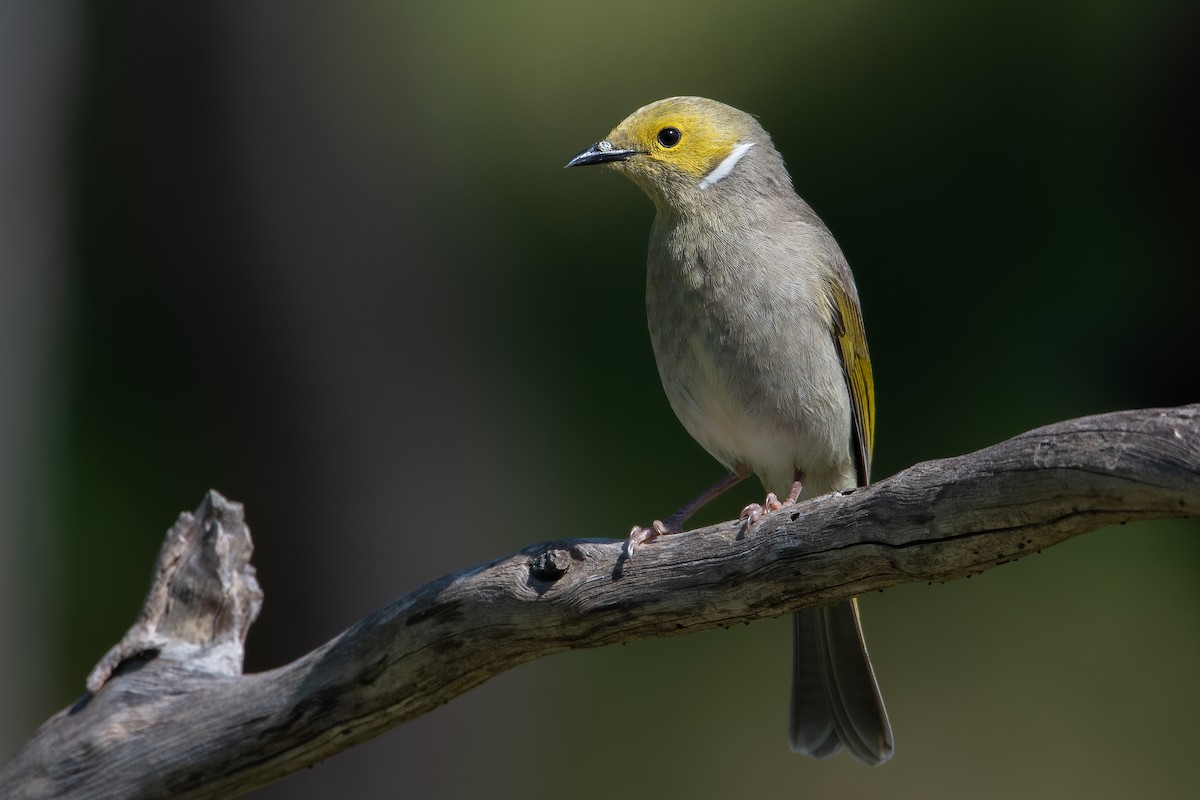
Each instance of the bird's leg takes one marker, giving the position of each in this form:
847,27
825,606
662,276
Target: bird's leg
753,512
674,523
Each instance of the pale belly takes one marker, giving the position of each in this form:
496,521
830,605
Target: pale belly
742,330
766,393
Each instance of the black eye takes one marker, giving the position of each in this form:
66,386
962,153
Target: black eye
669,137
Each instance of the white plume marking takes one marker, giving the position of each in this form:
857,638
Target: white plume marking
726,166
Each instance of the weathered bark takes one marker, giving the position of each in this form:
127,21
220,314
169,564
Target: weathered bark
169,714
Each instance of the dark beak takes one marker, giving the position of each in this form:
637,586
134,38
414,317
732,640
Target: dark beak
600,153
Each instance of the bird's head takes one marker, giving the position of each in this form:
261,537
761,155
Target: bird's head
679,149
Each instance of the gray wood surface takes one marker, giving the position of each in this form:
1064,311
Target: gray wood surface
169,714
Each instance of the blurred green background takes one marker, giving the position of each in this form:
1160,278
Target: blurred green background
324,258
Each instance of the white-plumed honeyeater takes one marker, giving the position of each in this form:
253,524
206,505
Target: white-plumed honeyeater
756,327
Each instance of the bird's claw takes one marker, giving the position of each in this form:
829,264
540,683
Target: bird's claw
754,512
639,535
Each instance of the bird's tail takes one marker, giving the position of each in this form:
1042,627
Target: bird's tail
835,698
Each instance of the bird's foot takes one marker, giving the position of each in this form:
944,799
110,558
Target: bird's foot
755,511
675,522
639,535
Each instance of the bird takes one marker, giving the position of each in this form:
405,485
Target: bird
757,331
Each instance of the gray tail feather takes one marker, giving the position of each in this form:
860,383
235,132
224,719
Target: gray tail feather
835,698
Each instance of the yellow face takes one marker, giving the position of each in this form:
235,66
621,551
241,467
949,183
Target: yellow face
690,136
677,148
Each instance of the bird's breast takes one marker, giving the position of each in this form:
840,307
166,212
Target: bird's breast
742,335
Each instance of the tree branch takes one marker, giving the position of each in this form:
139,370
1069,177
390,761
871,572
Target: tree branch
168,713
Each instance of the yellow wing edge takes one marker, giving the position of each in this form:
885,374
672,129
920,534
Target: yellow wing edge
851,338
